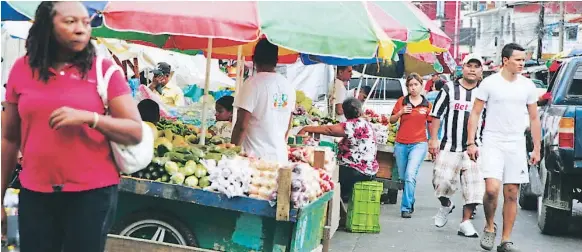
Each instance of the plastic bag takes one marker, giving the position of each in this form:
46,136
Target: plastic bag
145,93
535,188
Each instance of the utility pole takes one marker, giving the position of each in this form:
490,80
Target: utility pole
471,35
500,35
541,29
456,40
562,26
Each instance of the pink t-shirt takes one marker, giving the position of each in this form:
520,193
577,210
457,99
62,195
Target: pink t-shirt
76,158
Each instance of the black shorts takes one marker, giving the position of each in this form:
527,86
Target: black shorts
66,221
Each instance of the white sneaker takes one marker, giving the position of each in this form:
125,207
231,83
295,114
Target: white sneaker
442,217
466,229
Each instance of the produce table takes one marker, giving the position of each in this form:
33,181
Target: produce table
219,223
388,173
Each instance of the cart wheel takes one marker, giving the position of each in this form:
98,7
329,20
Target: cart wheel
155,226
392,196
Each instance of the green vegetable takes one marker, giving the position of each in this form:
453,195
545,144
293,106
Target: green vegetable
177,178
189,168
200,171
161,161
191,181
204,182
165,178
175,156
171,167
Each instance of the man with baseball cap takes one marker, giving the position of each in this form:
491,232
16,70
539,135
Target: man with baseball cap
452,164
170,94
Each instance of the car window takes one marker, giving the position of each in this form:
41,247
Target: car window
576,84
392,89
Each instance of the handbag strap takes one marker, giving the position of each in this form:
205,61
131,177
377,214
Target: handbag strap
103,81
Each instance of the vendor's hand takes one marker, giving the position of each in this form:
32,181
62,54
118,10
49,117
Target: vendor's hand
302,133
433,148
473,152
66,116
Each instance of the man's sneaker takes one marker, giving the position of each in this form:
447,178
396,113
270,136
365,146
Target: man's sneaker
466,229
442,217
406,215
507,246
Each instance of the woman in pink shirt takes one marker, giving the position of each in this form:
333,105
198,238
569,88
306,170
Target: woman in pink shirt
55,116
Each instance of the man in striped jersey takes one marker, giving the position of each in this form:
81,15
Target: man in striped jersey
452,164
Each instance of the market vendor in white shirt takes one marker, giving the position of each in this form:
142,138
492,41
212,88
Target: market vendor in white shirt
169,92
264,104
340,91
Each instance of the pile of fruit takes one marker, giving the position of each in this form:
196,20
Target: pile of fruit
392,133
177,156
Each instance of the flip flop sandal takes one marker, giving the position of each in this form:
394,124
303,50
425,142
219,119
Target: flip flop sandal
488,238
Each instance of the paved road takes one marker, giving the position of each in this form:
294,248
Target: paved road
420,234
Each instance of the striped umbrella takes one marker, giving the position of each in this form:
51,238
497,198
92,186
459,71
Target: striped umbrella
340,29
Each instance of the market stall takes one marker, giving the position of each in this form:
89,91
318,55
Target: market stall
214,196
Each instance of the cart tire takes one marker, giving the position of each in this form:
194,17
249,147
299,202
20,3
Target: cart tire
393,194
169,228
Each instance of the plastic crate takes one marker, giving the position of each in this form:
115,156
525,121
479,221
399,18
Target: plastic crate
333,146
364,207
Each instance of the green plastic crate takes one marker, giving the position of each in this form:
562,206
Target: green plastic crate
364,207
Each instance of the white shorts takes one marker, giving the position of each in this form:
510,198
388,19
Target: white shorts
505,161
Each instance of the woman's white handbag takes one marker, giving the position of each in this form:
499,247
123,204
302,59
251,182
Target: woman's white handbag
129,158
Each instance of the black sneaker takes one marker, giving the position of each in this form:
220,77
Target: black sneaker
406,215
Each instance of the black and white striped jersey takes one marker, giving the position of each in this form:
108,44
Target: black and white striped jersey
453,105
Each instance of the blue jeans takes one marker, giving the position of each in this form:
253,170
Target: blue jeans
409,158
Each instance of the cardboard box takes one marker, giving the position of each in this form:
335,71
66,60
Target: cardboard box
386,163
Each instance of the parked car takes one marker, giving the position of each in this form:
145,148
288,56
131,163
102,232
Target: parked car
561,165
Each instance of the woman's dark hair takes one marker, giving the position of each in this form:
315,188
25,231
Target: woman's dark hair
439,84
42,47
352,108
226,102
149,111
412,76
266,54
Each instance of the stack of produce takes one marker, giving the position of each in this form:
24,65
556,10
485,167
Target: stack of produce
231,175
264,182
381,132
392,133
306,154
305,185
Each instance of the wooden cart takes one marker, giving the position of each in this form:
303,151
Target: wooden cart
211,220
388,174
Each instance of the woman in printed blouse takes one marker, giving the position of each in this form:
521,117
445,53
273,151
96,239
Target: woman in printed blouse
411,139
357,149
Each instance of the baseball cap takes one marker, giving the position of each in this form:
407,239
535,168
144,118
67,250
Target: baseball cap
473,57
162,68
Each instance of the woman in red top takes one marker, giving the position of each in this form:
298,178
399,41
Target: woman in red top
411,141
56,118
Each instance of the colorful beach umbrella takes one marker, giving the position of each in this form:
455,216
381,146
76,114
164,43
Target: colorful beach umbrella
340,29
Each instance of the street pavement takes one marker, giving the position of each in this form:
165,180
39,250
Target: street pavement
420,234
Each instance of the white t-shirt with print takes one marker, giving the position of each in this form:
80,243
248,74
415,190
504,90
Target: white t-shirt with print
505,102
270,98
339,96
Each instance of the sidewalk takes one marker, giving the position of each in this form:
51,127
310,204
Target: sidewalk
420,234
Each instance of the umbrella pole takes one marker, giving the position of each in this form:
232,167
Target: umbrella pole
206,87
240,66
360,82
373,87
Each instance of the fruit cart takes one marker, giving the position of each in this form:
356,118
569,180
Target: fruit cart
388,174
188,216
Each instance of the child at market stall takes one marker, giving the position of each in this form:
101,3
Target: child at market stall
224,111
411,145
357,150
56,117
